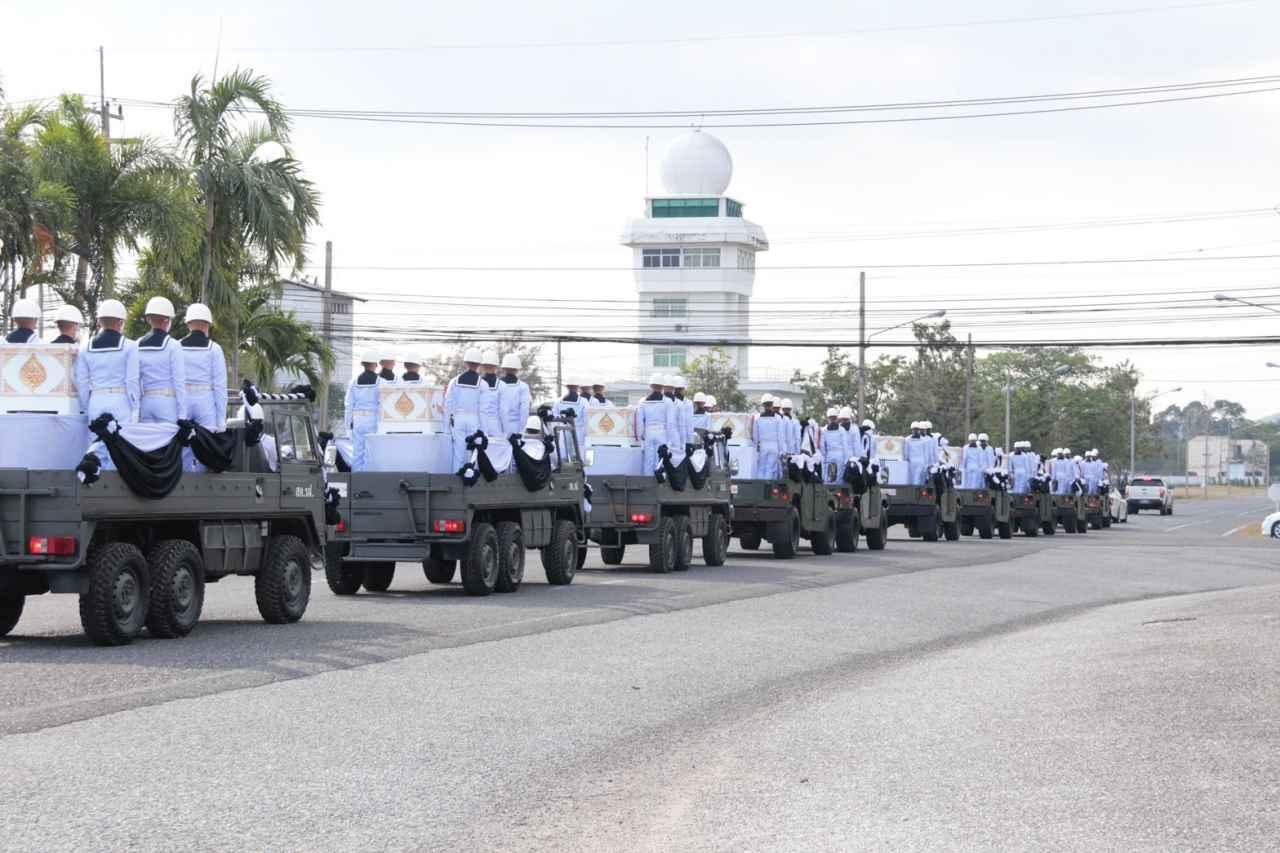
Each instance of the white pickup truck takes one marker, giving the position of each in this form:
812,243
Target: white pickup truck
1149,493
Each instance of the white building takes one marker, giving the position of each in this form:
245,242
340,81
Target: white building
694,256
306,299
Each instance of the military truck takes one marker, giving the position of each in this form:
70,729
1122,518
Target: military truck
667,516
984,510
1096,512
139,562
860,510
1032,513
479,531
1069,511
929,512
783,512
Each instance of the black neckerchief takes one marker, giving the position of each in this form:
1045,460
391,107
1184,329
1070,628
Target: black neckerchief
19,335
509,379
699,409
833,427
467,377
768,413
154,339
1018,452
64,339
864,430
670,396
368,377
411,376
491,378
599,398
107,339
983,446
196,340
570,397
654,396
679,394
387,374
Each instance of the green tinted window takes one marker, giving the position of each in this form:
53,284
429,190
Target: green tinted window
666,208
732,208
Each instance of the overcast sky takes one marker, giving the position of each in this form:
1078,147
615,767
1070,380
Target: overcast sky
415,195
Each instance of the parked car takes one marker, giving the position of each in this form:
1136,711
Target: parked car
1119,506
1149,493
1271,525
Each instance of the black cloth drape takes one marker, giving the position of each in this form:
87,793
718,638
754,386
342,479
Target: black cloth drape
534,473
668,473
214,450
697,479
482,466
148,473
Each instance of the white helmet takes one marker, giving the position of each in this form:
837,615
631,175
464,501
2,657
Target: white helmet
410,359
112,309
700,398
942,441
973,436
159,306
68,314
669,380
655,379
489,357
511,360
845,412
533,424
787,404
586,385
370,356
472,355
197,311
766,397
711,399
26,309
868,423
926,424
1077,458
678,381
1094,451
832,412
982,436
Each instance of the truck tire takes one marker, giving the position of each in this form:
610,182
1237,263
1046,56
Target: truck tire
715,545
1095,525
480,568
1082,525
560,558
283,586
510,557
10,612
929,528
581,558
1106,520
1030,528
966,527
1069,524
823,543
984,527
750,541
1005,529
847,534
1050,528
177,588
662,553
684,544
438,570
113,609
378,576
951,530
343,578
612,554
787,548
878,536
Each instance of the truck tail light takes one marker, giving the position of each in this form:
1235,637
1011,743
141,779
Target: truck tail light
52,546
927,494
778,492
341,526
449,525
642,518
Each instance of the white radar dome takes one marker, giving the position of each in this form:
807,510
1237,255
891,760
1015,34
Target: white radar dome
697,164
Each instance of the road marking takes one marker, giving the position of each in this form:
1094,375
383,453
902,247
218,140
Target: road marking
1234,530
1188,524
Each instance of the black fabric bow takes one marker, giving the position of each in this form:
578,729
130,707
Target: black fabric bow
331,514
88,469
149,474
215,450
534,473
481,467
675,475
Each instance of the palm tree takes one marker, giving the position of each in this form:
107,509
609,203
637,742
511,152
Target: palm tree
121,195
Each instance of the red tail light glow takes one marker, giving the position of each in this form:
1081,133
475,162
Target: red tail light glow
52,546
642,518
779,492
449,525
341,526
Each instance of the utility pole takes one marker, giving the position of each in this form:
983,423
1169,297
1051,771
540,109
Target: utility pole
1008,412
326,316
1133,429
862,345
103,108
968,390
555,395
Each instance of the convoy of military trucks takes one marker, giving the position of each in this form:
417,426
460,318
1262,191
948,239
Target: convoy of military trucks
140,563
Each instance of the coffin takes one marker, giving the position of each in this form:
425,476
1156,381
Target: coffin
38,378
611,425
740,422
423,453
889,447
410,408
43,442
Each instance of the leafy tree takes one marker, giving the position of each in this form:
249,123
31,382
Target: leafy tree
23,200
443,367
715,374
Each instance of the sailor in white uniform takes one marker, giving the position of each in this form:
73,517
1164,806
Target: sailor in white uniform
711,403
572,401
684,409
655,422
974,464
69,321
26,317
835,447
597,395
921,453
362,408
791,428
463,404
701,417
412,370
770,434
1022,467
206,370
387,368
162,367
107,370
867,436
514,397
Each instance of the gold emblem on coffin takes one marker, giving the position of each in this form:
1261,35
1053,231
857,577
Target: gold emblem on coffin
32,374
606,423
403,405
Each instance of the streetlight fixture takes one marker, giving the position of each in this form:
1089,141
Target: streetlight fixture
1133,419
864,338
1226,297
1272,364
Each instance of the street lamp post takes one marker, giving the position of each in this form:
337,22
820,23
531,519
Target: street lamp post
864,339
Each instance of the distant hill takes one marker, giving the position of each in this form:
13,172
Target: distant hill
1271,419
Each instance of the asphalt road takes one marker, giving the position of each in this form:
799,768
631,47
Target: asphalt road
1108,691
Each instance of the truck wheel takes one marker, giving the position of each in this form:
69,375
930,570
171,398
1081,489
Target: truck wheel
1170,511
1005,529
581,559
1106,521
878,536
1050,528
480,568
283,587
787,548
438,570
10,612
343,578
1030,528
824,543
378,576
750,541
1133,510
715,545
984,528
1069,524
1095,525
684,544
1082,525
177,588
951,530
114,607
929,527
662,553
847,535
966,528
612,554
560,558
510,557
